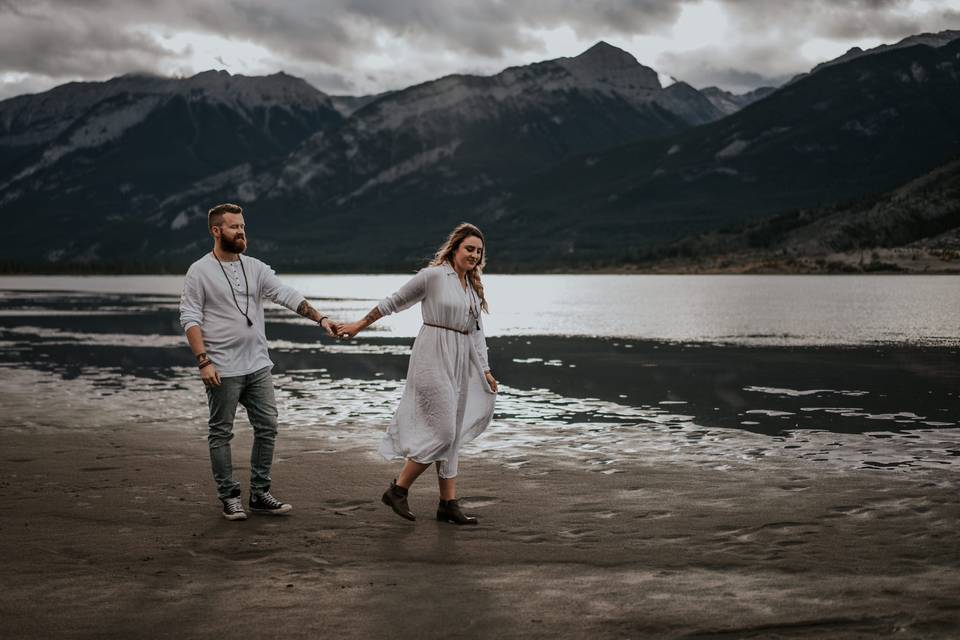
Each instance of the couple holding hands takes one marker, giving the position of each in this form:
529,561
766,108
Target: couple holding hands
449,395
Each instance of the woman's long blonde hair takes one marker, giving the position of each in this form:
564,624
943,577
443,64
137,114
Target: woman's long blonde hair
445,253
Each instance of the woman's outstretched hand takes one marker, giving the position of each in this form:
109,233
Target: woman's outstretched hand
349,330
491,381
330,327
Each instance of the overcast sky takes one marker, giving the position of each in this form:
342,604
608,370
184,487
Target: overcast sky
367,46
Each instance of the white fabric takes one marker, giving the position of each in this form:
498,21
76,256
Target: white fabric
446,402
235,348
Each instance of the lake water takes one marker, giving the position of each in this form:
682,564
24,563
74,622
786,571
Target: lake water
752,310
851,371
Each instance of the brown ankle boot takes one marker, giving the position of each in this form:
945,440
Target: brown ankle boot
396,498
449,511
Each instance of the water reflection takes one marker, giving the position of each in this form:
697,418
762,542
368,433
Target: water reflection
588,402
749,310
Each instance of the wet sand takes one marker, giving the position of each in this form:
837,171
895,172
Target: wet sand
111,530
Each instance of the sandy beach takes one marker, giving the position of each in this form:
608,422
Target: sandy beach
114,532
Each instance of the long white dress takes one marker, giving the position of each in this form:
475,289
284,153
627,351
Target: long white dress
446,402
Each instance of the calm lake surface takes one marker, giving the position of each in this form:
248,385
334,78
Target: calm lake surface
749,310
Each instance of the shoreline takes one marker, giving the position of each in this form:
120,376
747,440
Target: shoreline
842,265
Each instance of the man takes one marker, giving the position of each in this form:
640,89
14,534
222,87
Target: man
221,311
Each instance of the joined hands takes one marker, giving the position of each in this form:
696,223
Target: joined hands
349,330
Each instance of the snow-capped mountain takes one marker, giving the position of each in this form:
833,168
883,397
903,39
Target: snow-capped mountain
850,131
109,154
934,40
461,134
581,158
729,103
412,152
86,116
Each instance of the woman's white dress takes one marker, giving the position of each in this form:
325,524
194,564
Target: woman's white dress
447,401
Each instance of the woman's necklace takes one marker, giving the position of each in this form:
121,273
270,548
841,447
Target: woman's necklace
246,285
471,298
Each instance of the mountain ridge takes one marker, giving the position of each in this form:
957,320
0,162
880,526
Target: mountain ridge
585,161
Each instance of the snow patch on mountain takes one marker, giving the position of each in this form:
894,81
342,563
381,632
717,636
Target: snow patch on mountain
38,119
733,149
302,168
411,165
934,40
602,69
181,208
99,129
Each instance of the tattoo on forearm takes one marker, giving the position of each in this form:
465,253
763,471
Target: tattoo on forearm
373,316
307,311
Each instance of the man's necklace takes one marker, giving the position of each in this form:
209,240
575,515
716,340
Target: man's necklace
230,284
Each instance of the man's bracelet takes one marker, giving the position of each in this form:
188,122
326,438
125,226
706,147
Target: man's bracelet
322,318
205,364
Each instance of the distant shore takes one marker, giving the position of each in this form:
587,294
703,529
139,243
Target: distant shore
907,261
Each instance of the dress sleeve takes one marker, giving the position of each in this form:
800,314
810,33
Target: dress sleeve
406,296
275,291
191,301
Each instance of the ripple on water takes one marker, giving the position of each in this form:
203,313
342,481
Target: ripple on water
596,434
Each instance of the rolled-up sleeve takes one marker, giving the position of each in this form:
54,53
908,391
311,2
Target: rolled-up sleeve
480,344
275,291
191,301
406,296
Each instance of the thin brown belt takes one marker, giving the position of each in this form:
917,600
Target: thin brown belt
447,328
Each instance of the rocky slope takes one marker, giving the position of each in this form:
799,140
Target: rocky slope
904,229
848,131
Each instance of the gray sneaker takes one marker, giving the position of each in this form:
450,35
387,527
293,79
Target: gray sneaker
233,508
266,503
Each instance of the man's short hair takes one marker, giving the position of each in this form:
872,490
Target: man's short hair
215,215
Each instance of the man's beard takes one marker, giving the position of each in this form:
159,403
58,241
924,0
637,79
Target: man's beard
235,245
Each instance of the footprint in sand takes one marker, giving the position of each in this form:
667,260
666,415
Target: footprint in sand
654,515
347,507
576,534
529,536
792,529
475,502
245,556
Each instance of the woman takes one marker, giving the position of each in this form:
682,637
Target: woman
450,392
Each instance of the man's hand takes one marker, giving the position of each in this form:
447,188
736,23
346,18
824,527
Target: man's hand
491,381
209,375
347,331
331,327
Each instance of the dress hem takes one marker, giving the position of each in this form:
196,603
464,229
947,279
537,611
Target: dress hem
400,456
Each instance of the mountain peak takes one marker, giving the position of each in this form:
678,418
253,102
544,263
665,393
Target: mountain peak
604,55
605,67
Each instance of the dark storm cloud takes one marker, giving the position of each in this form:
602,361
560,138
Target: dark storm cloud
39,38
840,19
330,31
327,41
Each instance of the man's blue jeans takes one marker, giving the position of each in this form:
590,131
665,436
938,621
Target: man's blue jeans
255,392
